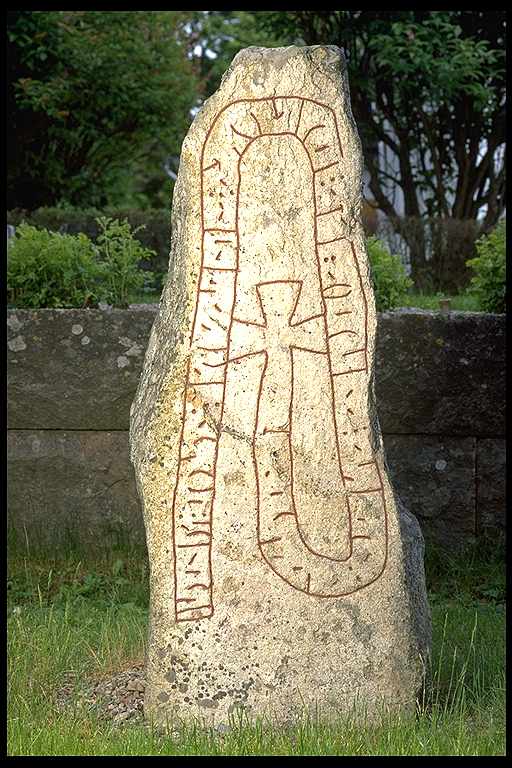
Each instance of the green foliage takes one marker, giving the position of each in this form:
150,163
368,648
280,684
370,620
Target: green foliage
50,269
475,573
120,578
74,619
389,276
455,64
121,254
154,235
103,98
426,82
47,269
462,303
430,87
488,283
448,242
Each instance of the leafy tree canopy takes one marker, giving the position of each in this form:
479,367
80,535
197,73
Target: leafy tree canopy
99,99
428,86
94,96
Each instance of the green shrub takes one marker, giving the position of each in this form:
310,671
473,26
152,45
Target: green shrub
488,281
50,269
390,280
47,269
120,255
154,235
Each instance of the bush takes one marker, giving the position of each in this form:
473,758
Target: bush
50,269
121,255
390,279
151,227
488,281
47,269
441,249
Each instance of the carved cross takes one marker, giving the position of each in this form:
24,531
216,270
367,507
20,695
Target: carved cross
276,336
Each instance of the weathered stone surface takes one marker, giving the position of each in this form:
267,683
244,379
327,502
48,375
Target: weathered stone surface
58,382
435,478
280,576
441,373
74,369
68,488
51,502
491,506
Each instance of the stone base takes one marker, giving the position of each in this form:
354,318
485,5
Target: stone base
278,653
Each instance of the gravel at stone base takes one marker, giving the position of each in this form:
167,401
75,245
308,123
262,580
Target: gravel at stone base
118,698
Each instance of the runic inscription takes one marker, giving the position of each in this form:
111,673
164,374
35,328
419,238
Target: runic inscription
300,312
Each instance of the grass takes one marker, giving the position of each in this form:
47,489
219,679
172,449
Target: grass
86,616
464,302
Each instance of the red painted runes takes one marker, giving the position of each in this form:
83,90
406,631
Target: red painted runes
320,319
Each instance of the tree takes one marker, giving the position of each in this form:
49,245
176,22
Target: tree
430,87
94,96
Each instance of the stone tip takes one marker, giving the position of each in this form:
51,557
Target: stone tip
263,68
325,54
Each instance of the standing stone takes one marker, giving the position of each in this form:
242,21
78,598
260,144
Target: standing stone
284,574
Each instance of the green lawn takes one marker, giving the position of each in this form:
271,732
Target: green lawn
464,302
85,616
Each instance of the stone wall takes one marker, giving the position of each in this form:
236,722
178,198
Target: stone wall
72,374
